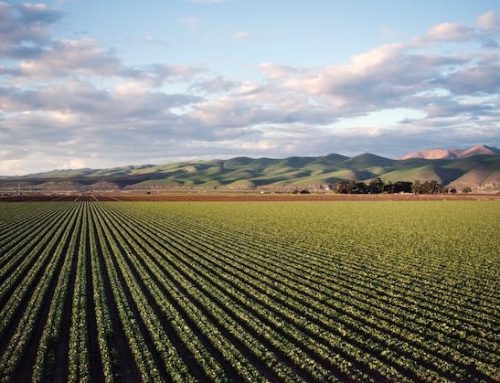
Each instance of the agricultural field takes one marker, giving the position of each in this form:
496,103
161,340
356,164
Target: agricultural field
367,291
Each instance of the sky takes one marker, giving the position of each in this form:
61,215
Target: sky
109,83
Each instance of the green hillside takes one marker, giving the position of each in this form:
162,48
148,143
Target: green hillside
244,173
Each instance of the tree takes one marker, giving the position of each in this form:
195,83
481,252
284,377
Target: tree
351,187
376,186
345,187
430,187
416,187
360,188
398,187
427,187
389,187
466,189
402,187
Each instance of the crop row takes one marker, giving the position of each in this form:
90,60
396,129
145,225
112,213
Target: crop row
232,265
124,292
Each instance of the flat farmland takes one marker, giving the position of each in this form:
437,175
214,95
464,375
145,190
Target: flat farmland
373,291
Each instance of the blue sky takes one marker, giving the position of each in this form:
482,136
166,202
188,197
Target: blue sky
107,83
299,33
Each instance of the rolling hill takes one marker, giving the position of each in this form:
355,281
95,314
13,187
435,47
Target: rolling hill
480,172
440,154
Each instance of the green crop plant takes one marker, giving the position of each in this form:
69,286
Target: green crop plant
245,292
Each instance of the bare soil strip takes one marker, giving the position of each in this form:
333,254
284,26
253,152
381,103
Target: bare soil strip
249,197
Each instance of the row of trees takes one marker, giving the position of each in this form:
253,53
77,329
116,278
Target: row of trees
377,186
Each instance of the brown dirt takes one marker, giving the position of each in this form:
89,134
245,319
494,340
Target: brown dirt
248,197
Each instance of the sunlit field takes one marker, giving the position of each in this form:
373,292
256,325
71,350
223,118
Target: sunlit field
272,291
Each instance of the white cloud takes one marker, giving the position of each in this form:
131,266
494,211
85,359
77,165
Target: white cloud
76,163
489,21
375,58
62,100
24,28
216,84
449,32
83,56
275,71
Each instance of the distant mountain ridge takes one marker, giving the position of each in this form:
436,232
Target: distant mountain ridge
471,167
440,154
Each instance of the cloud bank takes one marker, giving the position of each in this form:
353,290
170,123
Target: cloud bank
72,101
